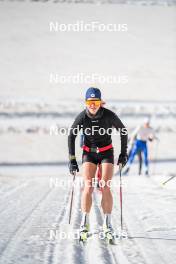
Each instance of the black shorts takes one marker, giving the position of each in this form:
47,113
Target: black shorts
98,158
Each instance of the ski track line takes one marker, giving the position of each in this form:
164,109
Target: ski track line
102,253
11,192
115,251
15,207
127,248
17,232
93,250
108,254
14,190
6,188
53,248
77,252
48,250
149,248
128,251
45,246
71,251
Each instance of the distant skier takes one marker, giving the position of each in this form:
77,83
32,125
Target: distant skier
141,135
139,153
97,151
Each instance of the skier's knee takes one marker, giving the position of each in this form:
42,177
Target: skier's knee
106,188
88,189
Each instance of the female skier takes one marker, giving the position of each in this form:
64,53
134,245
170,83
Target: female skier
97,125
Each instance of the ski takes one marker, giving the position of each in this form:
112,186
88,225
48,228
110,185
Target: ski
110,238
83,238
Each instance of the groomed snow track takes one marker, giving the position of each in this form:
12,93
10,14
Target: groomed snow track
34,215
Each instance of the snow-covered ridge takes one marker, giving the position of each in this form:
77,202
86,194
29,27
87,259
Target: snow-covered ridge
39,116
22,109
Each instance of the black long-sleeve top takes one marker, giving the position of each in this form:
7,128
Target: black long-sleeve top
94,125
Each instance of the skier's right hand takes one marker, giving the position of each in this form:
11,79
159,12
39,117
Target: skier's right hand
73,166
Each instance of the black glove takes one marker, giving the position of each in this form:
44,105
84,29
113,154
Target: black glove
73,166
123,158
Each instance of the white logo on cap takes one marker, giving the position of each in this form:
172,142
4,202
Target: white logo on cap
92,95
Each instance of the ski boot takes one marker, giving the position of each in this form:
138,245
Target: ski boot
146,173
83,233
109,235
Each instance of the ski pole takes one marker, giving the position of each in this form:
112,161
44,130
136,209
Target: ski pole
122,233
173,176
121,211
71,201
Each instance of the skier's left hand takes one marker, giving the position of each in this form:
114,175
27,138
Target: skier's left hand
123,158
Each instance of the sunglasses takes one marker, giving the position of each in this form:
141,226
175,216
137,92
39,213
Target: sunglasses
92,103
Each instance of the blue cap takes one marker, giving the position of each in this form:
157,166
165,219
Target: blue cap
93,93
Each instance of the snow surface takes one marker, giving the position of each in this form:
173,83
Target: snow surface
30,52
34,205
34,215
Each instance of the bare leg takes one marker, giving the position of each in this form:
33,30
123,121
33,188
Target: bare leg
107,200
89,170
